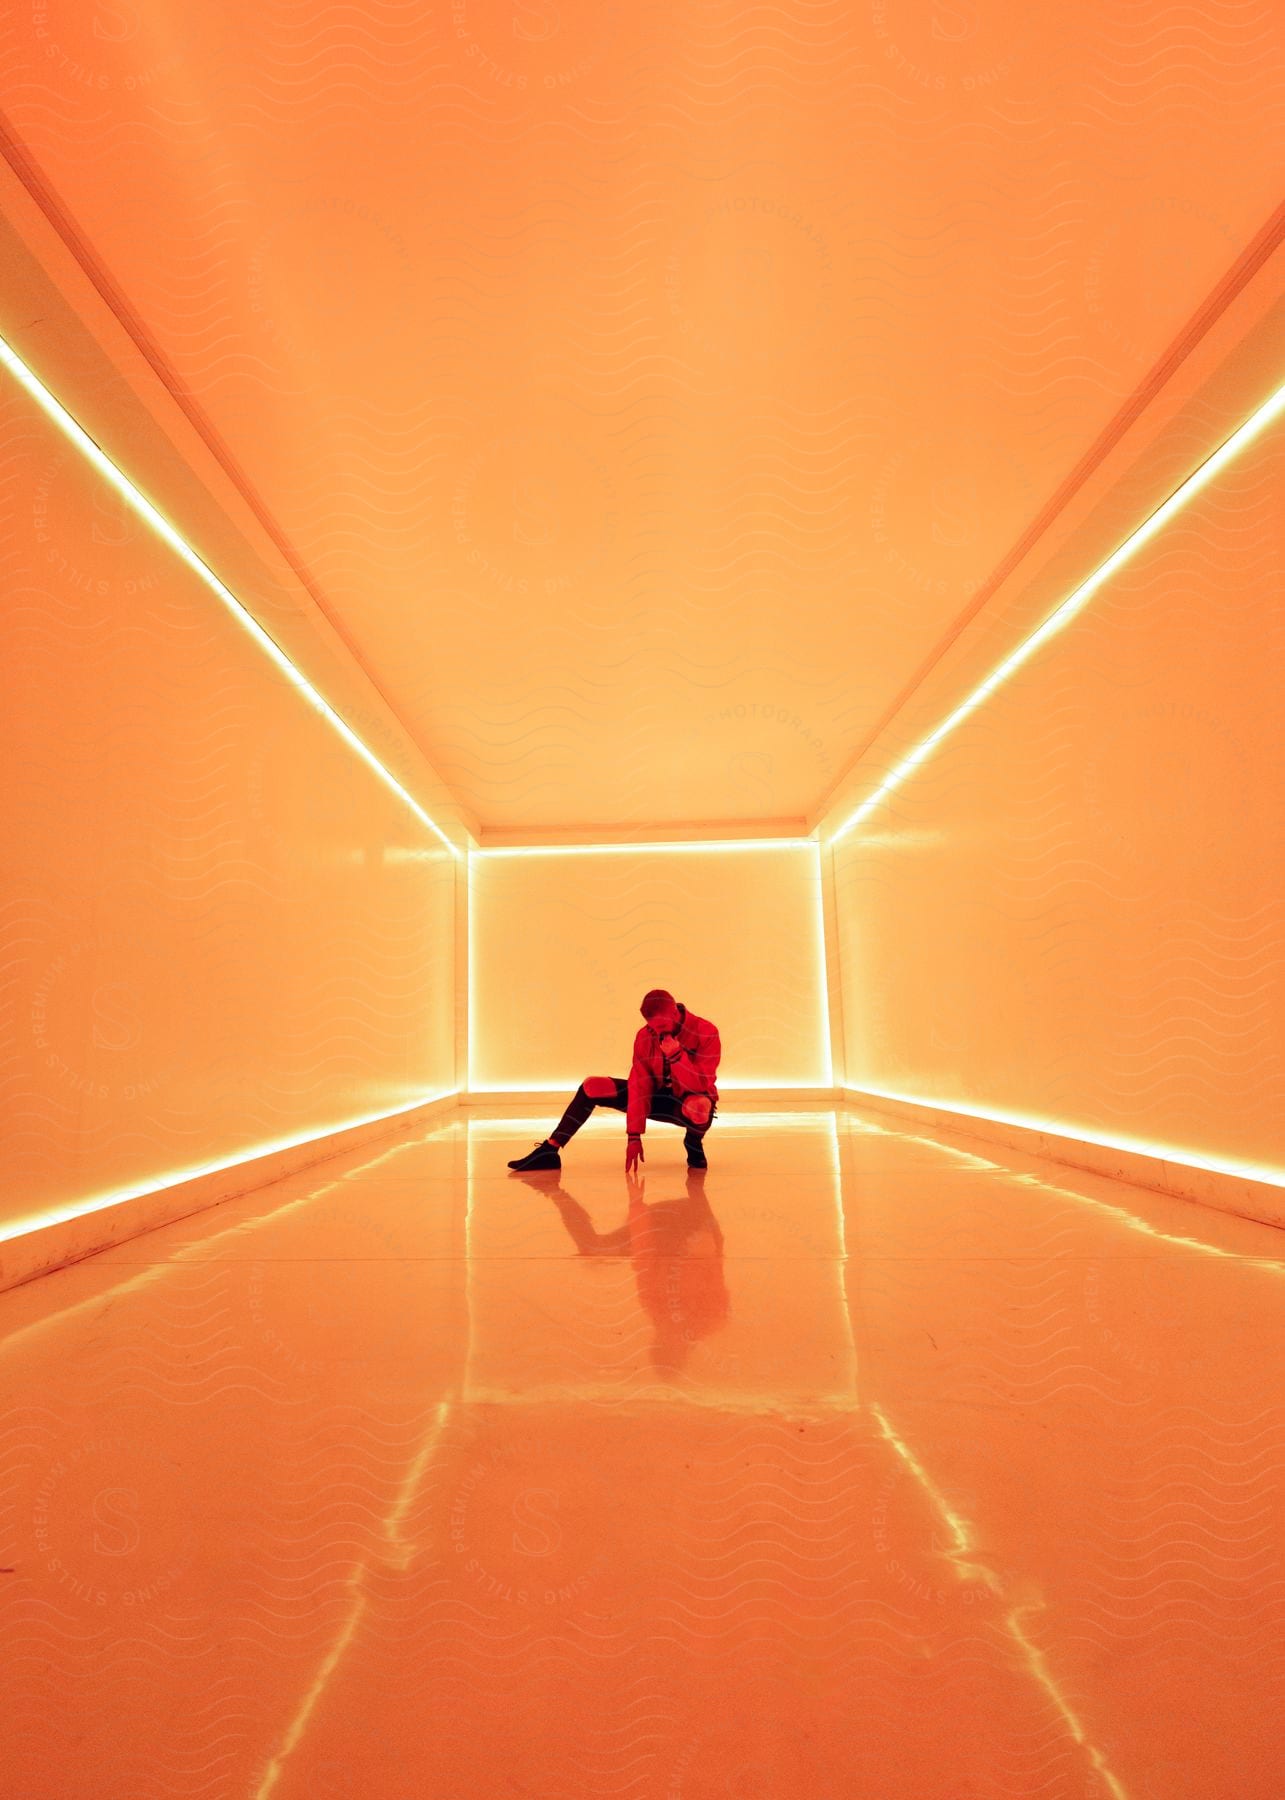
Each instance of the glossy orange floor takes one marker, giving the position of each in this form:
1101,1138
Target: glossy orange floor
865,1465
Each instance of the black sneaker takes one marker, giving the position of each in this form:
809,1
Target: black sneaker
696,1157
544,1156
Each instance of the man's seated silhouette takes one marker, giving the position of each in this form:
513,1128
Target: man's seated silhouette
676,1247
672,1078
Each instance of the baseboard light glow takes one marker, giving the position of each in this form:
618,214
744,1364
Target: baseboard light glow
724,1087
492,1123
1170,1153
140,504
1062,615
79,1209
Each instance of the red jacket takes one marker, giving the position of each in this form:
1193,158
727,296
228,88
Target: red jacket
691,1072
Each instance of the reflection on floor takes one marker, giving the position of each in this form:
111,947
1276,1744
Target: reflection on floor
864,1464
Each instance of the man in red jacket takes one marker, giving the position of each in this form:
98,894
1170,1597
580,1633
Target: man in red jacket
676,1058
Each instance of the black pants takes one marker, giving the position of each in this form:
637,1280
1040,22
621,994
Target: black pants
664,1106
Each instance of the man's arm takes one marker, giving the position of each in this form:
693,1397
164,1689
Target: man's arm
694,1072
640,1092
585,1238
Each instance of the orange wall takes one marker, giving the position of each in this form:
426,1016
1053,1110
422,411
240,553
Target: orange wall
1073,909
564,946
220,927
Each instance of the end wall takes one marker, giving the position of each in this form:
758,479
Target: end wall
565,945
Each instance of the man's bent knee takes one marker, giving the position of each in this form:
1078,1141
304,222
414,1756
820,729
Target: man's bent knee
697,1108
600,1087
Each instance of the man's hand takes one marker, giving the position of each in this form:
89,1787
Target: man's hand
633,1154
670,1046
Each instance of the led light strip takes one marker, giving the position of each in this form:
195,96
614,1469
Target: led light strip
140,504
158,1271
1076,1134
62,1215
1119,1214
801,1120
799,843
704,844
1062,615
826,1092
